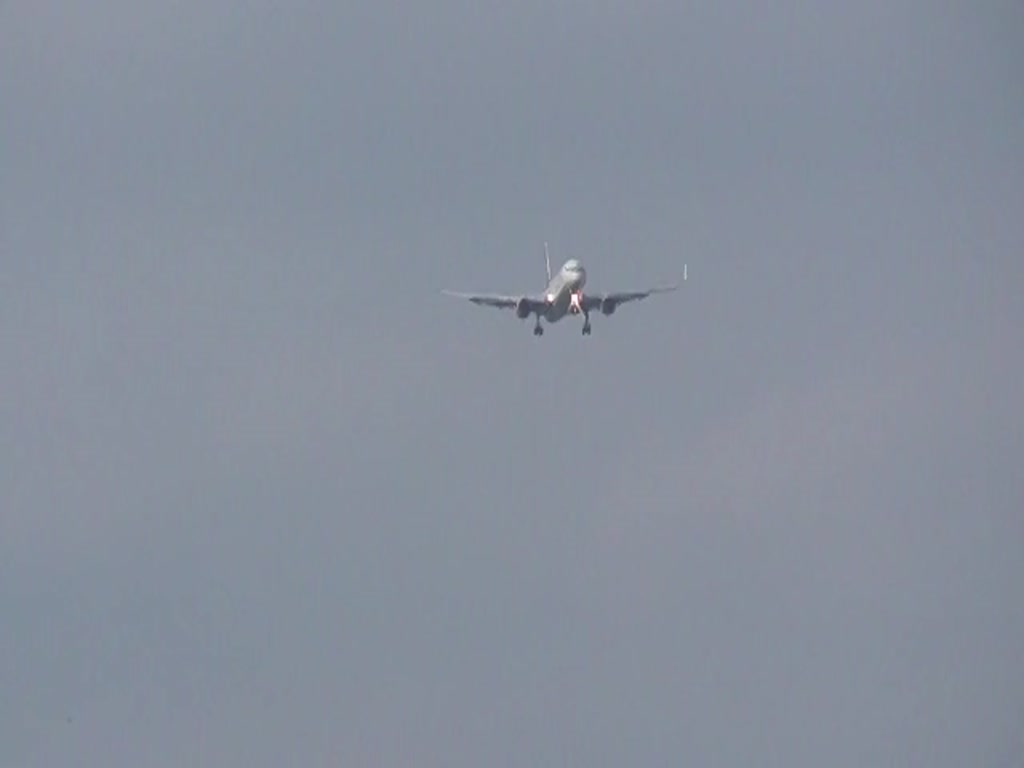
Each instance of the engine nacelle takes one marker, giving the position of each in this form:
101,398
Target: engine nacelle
523,309
607,306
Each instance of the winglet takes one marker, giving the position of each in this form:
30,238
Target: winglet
547,260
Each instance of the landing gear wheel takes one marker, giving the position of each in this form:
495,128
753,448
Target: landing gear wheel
586,330
538,330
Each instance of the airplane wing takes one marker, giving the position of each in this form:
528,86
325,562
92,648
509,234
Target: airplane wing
499,301
608,302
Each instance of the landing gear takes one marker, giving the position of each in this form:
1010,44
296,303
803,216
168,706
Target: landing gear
586,324
538,329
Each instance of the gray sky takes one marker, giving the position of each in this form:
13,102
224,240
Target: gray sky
267,498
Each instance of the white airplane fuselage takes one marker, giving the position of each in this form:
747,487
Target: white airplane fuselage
563,291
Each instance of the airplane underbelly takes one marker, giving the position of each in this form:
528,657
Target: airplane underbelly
558,308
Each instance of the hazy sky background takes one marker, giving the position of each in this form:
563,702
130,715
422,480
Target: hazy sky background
267,498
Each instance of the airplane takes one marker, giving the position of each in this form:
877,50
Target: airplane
563,296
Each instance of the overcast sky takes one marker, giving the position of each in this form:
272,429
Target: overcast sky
268,498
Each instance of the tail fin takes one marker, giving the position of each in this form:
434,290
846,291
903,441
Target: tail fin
547,260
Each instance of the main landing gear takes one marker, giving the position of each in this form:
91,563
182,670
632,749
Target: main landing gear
586,324
538,329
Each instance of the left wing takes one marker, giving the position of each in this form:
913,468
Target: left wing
608,302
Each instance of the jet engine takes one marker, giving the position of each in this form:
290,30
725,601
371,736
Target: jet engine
607,306
523,309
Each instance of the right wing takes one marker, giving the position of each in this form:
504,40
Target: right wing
501,302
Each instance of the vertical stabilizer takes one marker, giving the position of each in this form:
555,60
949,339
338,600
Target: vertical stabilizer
547,260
